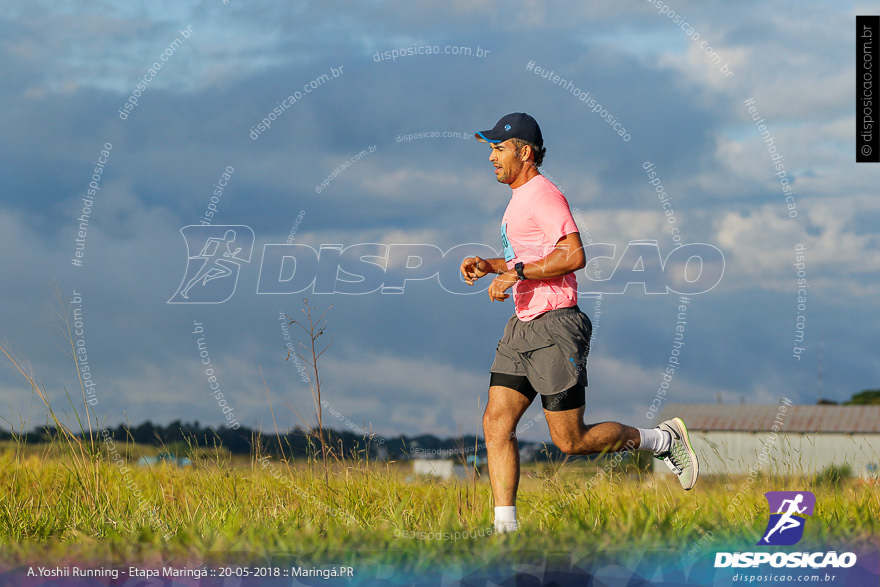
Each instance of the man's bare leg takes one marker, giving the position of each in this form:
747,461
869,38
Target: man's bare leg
572,436
503,412
669,441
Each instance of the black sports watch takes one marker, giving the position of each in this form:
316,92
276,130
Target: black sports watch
519,271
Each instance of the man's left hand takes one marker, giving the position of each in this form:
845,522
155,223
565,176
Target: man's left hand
501,284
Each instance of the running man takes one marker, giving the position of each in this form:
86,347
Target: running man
786,520
545,344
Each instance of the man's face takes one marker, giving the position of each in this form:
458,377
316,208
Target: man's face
508,165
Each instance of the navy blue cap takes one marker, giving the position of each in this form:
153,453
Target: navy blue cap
517,125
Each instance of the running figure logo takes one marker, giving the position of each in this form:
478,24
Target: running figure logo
212,275
786,525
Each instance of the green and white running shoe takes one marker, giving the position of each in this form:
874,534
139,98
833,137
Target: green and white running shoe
680,458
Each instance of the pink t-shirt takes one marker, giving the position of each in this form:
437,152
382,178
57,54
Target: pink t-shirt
536,218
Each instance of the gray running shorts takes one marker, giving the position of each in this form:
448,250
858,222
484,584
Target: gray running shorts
550,350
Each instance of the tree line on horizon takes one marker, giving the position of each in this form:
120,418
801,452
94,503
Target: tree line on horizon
184,437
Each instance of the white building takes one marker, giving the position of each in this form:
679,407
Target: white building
782,439
441,468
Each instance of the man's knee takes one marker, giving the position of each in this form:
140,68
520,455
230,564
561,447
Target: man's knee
566,445
495,421
498,422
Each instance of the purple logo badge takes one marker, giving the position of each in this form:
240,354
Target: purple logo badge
788,511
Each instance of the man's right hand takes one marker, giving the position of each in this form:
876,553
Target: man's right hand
473,268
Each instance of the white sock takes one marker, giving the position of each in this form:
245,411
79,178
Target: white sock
505,519
653,439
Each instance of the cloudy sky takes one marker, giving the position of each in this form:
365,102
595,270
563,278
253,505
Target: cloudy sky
344,86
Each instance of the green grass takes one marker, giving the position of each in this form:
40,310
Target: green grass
62,502
86,499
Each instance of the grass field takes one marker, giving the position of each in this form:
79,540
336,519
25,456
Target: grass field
59,502
86,499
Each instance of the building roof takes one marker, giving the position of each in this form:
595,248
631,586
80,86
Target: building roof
760,418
